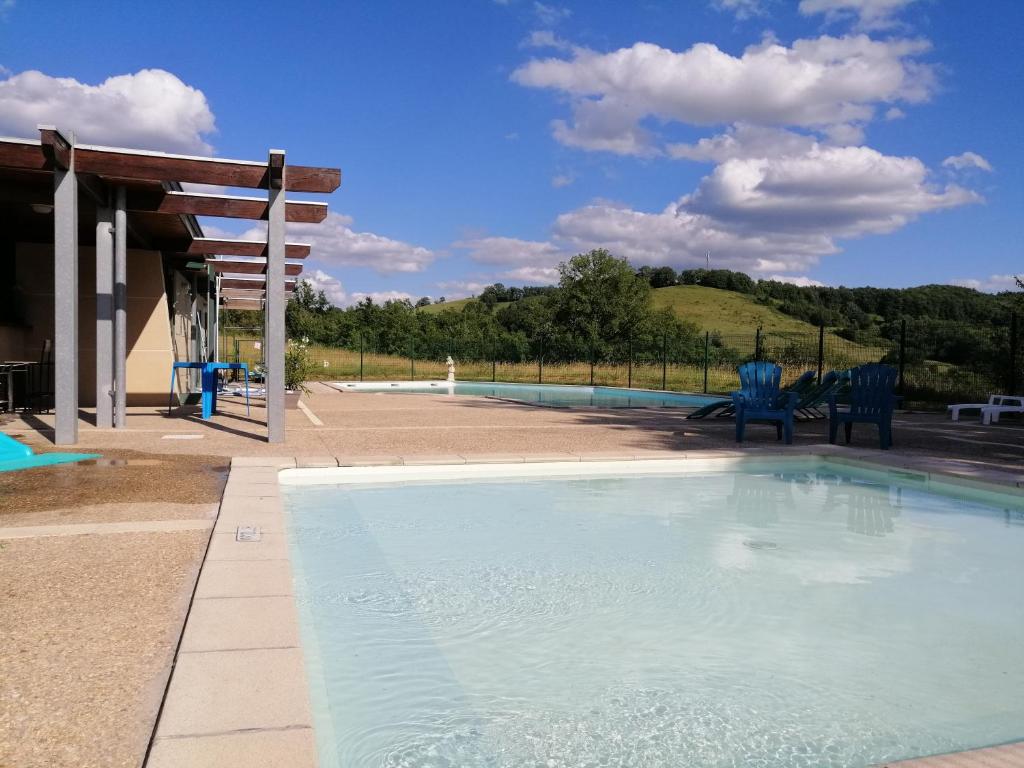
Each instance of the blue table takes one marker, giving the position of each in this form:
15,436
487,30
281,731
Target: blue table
209,382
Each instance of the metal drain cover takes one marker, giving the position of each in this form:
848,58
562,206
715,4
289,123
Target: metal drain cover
247,533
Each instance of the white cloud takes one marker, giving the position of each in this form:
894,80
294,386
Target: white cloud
801,280
867,14
832,191
379,297
823,84
545,38
562,180
335,243
150,109
894,113
330,285
511,251
339,297
967,160
549,15
741,9
990,284
531,275
779,214
743,140
460,289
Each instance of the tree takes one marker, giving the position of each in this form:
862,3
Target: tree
423,302
599,298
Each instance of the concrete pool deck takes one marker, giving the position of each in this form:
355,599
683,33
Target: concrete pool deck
99,706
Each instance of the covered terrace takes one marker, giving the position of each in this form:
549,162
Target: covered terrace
102,254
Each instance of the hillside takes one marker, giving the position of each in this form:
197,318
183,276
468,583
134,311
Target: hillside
710,309
714,309
456,304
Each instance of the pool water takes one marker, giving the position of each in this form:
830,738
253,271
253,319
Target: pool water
761,618
554,395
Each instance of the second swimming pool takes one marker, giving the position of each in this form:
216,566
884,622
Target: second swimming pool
554,395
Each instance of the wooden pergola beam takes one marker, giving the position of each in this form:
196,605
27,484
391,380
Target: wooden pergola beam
140,165
224,206
155,166
258,267
220,247
254,282
249,304
23,154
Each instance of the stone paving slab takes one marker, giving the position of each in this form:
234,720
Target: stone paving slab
1006,756
284,748
266,622
271,546
245,578
368,460
223,691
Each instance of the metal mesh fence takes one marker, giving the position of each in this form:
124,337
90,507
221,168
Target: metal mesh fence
938,363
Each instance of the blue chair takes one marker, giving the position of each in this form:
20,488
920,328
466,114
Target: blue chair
760,398
871,402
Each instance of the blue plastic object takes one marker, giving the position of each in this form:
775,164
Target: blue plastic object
760,398
15,455
209,382
871,402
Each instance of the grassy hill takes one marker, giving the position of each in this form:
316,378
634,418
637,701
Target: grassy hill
456,304
710,309
714,309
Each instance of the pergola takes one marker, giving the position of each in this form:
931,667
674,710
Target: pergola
115,196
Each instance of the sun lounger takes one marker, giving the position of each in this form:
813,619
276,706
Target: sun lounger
811,402
726,407
998,400
990,413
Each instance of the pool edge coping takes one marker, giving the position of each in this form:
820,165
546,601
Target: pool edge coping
255,729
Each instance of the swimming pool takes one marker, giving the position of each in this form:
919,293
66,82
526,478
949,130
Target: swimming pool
554,395
777,614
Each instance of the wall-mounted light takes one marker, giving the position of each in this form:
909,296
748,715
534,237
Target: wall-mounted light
42,208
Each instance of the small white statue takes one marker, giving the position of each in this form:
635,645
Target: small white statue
451,369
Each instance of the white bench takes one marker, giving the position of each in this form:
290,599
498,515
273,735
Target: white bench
994,401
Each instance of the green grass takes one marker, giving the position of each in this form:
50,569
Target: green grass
713,309
710,309
456,304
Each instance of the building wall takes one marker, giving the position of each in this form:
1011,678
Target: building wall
149,334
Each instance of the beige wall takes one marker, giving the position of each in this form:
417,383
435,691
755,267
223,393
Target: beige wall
149,334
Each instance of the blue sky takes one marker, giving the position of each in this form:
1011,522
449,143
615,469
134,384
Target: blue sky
844,141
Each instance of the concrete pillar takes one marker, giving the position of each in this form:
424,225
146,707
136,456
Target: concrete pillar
104,318
120,308
65,301
274,346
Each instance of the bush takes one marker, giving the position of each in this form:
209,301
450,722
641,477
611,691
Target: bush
297,366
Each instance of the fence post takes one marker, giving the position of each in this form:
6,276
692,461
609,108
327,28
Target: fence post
903,352
593,356
540,363
412,362
757,343
707,344
494,361
821,349
629,364
664,360
360,355
1013,353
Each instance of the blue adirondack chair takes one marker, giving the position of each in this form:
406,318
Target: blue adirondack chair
871,402
761,399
